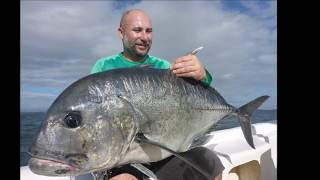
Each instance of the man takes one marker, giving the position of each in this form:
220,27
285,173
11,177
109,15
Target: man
136,33
135,30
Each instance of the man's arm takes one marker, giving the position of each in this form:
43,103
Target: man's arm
207,78
190,66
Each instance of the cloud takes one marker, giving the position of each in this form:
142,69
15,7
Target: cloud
227,76
60,41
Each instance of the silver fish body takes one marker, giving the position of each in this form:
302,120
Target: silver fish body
93,123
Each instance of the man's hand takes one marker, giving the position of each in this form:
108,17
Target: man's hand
188,66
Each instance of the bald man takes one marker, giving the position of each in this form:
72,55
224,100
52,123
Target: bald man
135,30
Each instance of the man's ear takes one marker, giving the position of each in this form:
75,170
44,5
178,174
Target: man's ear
120,32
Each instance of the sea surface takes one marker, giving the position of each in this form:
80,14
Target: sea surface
30,124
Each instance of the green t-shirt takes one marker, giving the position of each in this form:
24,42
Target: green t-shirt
119,61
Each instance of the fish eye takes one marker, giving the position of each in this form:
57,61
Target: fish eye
73,119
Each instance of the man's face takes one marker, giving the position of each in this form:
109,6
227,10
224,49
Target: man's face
136,34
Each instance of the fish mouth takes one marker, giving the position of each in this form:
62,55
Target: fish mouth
52,166
49,167
56,163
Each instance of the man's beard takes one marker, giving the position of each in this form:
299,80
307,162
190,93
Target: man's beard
130,47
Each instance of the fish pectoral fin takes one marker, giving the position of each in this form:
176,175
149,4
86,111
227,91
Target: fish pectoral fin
130,117
137,112
133,110
140,138
145,170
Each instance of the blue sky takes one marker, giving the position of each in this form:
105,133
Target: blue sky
61,40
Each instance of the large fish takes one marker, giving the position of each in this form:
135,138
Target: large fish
107,119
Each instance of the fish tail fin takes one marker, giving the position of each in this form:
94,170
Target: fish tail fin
244,116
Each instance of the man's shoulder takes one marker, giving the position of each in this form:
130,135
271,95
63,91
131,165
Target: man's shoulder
104,63
107,59
158,62
154,58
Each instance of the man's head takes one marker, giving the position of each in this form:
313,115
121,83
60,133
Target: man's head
136,33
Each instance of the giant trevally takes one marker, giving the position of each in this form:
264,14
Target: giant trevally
99,121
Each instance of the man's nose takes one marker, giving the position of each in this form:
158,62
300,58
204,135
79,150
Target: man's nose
144,36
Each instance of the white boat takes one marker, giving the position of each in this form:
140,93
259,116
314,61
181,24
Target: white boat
240,160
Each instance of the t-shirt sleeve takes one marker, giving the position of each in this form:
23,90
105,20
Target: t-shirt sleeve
207,78
166,65
97,67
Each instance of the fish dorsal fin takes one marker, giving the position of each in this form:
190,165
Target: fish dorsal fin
145,66
140,138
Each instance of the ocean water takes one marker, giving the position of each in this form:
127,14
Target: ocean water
30,124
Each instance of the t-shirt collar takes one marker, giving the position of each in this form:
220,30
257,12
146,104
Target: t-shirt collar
132,62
